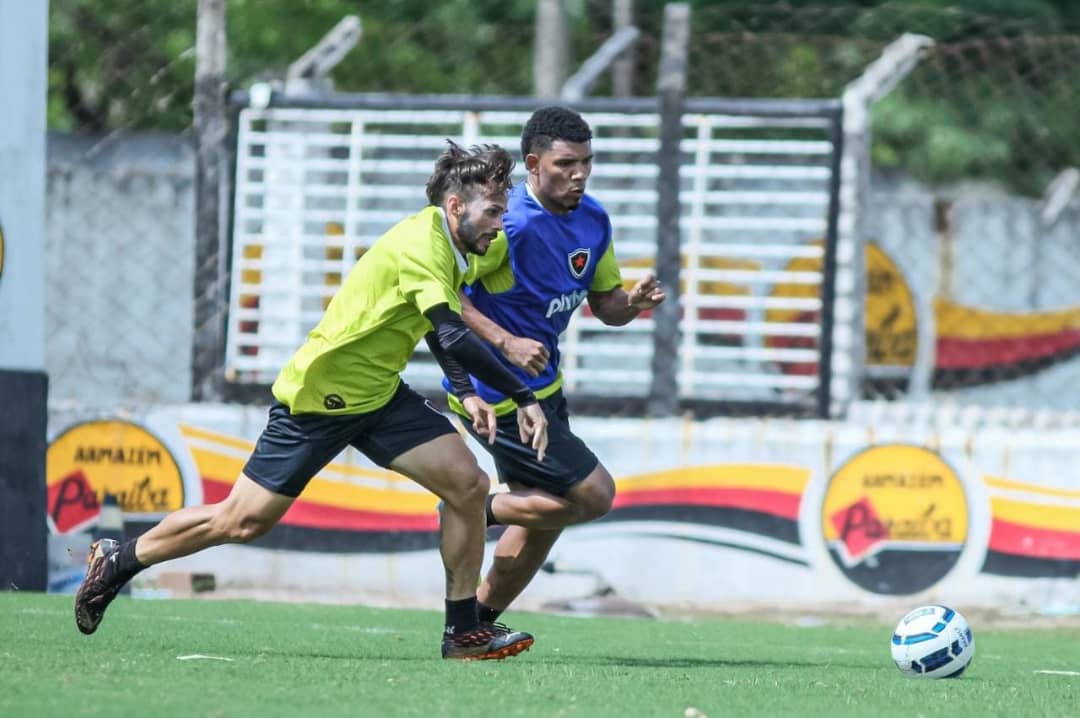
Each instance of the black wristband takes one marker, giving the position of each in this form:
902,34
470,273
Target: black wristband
477,358
524,397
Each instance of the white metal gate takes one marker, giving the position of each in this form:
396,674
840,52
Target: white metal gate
316,186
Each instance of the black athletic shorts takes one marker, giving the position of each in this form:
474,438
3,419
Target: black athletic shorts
567,461
294,447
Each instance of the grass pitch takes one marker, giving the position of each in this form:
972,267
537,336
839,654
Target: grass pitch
243,658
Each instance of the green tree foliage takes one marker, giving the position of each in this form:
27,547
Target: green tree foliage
131,65
118,65
993,100
455,46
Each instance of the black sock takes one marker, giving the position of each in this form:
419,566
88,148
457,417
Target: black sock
460,615
127,565
487,614
491,520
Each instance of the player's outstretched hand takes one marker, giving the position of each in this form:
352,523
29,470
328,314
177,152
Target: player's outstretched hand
483,417
646,294
527,354
533,427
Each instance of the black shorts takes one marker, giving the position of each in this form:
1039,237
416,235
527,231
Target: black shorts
567,462
294,447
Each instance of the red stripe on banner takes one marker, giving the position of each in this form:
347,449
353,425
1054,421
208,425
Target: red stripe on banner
322,516
1018,540
956,353
777,503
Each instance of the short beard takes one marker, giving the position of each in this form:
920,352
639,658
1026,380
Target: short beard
470,237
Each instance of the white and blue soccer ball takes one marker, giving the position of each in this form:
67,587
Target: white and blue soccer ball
932,642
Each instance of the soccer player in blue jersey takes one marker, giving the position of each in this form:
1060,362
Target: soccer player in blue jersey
556,253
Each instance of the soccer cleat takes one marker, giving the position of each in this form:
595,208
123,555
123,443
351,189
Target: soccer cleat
486,642
99,587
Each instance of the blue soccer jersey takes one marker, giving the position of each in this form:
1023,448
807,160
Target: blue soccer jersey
537,273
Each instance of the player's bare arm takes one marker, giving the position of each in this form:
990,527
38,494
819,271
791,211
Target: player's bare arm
618,306
527,354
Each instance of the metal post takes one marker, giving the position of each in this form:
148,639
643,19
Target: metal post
1056,197
551,51
311,72
622,72
828,270
897,60
671,92
210,133
581,82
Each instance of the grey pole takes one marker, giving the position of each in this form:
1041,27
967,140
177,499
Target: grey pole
551,48
211,177
622,72
581,82
671,90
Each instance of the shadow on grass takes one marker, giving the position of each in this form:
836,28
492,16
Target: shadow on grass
548,659
689,662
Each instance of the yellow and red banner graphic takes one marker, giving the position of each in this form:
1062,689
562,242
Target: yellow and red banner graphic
356,508
1034,530
114,457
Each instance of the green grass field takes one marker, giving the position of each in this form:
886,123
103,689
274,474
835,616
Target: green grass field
302,660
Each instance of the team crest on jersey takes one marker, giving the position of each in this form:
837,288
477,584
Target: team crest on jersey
579,262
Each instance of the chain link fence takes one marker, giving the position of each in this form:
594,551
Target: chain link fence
119,204
974,204
970,224
970,220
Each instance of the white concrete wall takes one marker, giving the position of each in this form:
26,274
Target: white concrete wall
23,54
685,561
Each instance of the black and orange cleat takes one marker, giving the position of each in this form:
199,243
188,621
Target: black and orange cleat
100,586
486,642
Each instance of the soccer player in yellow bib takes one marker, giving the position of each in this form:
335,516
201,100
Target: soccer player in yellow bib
343,387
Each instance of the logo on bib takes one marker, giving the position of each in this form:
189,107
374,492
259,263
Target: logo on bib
566,302
579,262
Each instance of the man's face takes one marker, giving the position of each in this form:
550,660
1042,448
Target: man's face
559,174
479,220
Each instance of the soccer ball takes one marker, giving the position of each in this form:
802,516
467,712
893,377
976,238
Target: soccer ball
932,642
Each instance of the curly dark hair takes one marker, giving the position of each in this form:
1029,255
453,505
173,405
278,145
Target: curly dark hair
465,171
549,124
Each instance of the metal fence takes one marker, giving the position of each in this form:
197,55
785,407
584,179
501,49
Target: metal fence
966,227
975,222
316,186
119,270
120,204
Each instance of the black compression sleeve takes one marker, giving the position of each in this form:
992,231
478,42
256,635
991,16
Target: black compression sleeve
464,347
455,373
